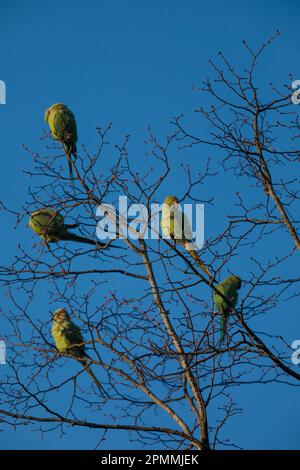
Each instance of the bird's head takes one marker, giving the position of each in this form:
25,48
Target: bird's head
54,107
171,201
235,281
61,315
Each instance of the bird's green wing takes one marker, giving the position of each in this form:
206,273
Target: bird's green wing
182,228
230,292
65,126
65,129
47,223
222,309
74,334
218,300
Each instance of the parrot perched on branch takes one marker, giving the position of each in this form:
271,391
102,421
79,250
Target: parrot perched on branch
229,288
49,225
68,339
63,127
176,225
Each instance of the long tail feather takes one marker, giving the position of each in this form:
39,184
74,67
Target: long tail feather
69,151
69,236
70,170
200,263
223,327
77,238
72,225
94,378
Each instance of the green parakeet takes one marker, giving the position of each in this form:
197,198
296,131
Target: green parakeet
49,225
229,288
68,339
63,127
176,225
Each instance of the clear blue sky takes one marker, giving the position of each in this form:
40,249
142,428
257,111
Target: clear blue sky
133,63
